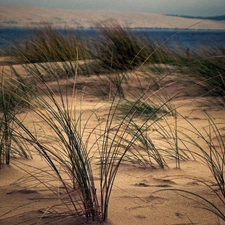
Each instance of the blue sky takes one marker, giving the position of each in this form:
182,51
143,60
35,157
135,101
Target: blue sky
180,7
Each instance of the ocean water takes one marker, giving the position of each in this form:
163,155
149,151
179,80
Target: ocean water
191,39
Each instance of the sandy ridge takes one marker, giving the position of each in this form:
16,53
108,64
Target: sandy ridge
16,16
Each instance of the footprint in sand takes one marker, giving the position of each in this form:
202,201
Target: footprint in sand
155,199
142,184
22,191
159,183
164,182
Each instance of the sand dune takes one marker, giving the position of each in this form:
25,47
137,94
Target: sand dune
31,16
134,198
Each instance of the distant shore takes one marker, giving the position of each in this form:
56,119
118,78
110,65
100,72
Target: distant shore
15,16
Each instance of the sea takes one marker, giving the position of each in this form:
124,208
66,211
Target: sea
192,39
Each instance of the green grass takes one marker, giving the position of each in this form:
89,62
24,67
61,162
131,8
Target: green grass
14,89
121,49
46,44
207,65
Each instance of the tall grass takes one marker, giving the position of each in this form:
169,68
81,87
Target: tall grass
207,145
213,155
46,44
75,148
121,49
207,65
116,40
68,154
211,68
14,95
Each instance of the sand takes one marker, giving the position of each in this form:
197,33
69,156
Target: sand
140,195
16,16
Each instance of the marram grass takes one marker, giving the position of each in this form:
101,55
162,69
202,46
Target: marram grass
117,139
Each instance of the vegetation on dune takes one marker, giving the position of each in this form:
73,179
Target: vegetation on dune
124,134
121,49
211,153
14,95
118,49
206,64
209,67
67,153
46,44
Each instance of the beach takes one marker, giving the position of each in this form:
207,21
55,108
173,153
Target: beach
142,193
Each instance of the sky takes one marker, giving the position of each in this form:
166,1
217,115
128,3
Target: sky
178,7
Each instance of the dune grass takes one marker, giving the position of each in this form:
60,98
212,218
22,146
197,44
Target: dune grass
14,92
67,153
122,49
211,152
211,68
213,155
207,65
116,40
124,135
46,44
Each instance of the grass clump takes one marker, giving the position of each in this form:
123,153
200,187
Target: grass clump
64,150
118,48
14,97
46,44
207,65
122,49
211,69
140,108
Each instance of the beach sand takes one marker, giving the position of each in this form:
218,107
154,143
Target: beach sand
140,196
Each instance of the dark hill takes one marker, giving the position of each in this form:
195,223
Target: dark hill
217,18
